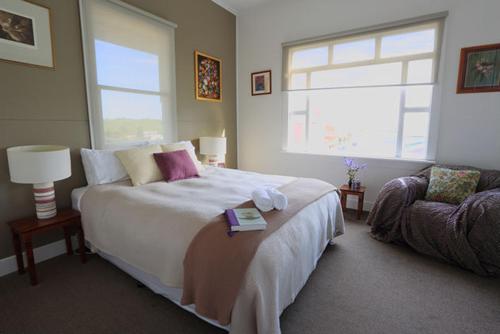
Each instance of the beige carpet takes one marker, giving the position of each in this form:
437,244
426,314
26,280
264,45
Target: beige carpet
360,286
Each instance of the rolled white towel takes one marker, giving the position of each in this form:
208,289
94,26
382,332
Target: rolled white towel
280,201
262,200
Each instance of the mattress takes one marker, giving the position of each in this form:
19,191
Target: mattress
145,231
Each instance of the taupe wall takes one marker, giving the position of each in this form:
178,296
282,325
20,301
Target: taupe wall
39,106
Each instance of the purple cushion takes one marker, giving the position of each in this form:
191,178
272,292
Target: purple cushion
176,165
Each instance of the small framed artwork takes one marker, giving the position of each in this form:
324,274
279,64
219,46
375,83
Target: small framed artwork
261,83
26,33
479,69
208,77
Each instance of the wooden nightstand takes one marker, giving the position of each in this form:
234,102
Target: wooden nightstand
24,229
359,192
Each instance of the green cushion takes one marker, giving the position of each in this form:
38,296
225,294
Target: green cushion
451,186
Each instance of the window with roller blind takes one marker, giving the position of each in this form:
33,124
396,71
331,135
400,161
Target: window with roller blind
367,94
130,74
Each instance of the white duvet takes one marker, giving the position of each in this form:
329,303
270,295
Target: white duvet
150,228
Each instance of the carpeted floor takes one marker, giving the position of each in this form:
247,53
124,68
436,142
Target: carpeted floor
359,286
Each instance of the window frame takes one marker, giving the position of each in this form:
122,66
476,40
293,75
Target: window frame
94,89
435,21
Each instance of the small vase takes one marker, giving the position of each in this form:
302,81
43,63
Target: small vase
349,183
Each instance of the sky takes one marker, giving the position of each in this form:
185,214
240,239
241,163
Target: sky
123,67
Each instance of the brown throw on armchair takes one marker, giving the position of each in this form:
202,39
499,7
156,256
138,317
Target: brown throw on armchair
467,234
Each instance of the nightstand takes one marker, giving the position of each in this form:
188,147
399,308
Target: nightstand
358,192
23,231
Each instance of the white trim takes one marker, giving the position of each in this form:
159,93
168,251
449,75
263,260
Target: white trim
88,76
238,94
9,265
173,92
223,4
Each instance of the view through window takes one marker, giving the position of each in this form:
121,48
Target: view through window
130,75
364,95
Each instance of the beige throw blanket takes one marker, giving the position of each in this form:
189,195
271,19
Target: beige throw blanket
215,264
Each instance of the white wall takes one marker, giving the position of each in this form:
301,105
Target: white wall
469,127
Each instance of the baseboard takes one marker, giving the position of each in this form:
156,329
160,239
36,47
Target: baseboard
9,265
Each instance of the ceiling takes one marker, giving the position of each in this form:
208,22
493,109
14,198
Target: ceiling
237,6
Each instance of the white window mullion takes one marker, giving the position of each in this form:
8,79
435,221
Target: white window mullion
433,124
97,119
308,120
131,90
417,110
378,47
401,119
404,73
330,54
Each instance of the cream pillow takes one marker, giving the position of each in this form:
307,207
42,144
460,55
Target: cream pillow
184,145
140,164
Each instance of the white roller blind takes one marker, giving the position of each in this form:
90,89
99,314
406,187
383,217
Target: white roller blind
130,70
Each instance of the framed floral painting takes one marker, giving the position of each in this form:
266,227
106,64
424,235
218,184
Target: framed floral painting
26,34
479,69
261,83
208,77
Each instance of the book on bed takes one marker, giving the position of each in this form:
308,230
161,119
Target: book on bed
245,220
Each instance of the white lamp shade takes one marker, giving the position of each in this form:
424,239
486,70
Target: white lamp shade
38,163
213,145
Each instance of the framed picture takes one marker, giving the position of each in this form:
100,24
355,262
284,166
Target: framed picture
25,33
261,83
479,69
208,77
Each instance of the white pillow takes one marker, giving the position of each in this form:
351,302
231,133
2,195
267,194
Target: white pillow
102,166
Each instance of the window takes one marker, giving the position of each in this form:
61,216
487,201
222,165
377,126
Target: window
368,94
129,62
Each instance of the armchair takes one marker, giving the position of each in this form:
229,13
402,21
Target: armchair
467,234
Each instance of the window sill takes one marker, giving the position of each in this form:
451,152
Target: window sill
374,158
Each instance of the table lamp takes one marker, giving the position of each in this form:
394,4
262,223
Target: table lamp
40,165
213,147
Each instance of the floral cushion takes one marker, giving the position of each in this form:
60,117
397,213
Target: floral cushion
451,186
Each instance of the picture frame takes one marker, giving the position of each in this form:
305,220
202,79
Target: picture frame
261,83
26,35
208,77
479,70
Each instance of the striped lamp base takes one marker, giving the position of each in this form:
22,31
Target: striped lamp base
45,200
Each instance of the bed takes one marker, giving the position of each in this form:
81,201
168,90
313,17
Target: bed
146,231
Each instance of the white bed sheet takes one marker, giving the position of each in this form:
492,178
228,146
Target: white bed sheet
76,197
277,273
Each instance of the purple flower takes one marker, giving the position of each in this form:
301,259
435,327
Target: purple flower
353,167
